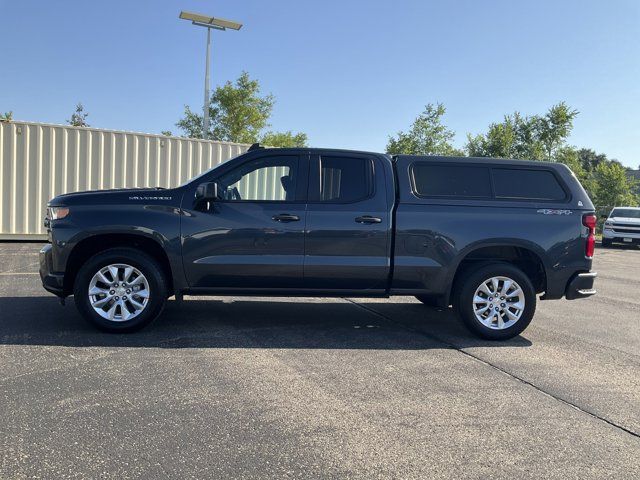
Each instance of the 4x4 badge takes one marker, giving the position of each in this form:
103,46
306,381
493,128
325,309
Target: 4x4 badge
551,211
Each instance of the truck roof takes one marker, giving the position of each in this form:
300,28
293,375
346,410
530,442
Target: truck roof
326,150
479,160
433,158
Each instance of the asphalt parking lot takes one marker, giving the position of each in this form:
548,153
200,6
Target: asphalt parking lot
302,388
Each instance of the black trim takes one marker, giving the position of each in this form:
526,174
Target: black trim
581,286
285,292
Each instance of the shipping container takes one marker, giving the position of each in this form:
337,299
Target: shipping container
39,161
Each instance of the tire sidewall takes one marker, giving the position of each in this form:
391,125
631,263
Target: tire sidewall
135,258
464,304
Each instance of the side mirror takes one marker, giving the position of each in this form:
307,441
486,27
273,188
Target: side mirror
207,191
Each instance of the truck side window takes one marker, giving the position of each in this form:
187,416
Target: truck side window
463,181
343,179
265,179
523,184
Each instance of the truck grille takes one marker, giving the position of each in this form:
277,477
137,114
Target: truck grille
625,228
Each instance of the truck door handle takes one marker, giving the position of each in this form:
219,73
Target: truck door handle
285,217
368,219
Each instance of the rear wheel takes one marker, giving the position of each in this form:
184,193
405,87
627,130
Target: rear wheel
496,301
120,290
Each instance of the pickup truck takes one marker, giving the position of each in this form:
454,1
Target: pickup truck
486,236
622,225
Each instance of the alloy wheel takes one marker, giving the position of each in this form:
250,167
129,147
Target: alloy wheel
119,292
498,302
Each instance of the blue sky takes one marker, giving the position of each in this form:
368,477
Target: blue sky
348,73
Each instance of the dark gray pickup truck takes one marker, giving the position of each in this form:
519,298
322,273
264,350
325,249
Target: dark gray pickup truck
483,235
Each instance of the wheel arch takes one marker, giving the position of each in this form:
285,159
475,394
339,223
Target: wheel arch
527,256
99,242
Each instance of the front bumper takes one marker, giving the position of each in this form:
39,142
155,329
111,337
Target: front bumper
617,236
51,281
581,286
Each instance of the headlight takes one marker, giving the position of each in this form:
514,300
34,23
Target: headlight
607,224
57,213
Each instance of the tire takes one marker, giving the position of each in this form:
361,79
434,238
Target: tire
427,300
606,242
147,288
490,328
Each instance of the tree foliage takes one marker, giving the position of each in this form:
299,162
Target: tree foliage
238,113
555,127
284,139
79,117
514,137
613,186
427,135
537,137
6,116
589,159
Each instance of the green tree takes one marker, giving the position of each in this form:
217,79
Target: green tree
612,186
166,133
284,139
237,111
499,142
525,137
555,127
427,135
79,117
590,159
7,116
571,158
516,136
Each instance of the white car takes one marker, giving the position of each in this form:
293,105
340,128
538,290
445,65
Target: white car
622,225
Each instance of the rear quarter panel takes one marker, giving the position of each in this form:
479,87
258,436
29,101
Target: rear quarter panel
434,235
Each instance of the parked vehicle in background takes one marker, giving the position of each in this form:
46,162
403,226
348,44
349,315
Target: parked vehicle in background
622,226
483,235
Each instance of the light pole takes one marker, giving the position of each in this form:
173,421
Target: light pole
209,23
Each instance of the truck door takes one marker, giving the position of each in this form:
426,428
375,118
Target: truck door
253,236
348,223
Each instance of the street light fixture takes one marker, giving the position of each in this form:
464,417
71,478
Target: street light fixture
209,23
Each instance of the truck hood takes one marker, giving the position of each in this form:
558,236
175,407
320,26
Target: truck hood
117,196
635,221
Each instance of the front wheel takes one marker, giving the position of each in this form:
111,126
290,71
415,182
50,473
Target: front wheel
120,290
496,301
606,242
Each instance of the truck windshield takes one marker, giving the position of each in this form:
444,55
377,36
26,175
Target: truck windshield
626,212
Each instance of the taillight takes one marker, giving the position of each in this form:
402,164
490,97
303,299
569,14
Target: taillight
589,220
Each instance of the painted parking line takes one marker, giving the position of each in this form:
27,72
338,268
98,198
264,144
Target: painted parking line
7,274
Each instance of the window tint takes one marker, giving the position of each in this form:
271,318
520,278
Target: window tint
265,179
526,184
451,180
345,179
